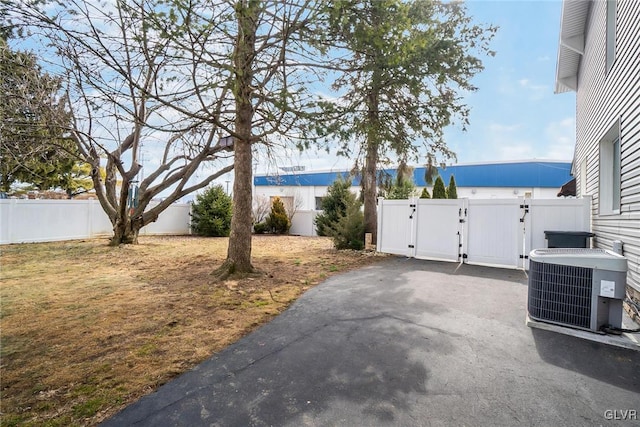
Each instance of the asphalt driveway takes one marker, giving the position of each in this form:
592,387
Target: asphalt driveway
404,343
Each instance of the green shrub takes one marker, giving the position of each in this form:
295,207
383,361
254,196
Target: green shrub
348,231
211,213
452,192
278,221
402,189
425,194
334,205
260,227
439,191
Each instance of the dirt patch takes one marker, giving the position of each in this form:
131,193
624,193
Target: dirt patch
88,329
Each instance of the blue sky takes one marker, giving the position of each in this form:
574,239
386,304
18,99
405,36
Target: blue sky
514,114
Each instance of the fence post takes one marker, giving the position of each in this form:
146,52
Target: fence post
527,233
380,208
413,228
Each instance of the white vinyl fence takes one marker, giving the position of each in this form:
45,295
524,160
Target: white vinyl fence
303,223
27,221
494,232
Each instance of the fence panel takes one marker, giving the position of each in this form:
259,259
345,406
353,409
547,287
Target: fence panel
100,223
438,229
554,215
45,220
173,220
394,227
28,221
494,233
303,223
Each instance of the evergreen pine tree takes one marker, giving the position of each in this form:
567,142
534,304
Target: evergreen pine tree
439,191
425,194
278,221
334,205
452,192
348,231
211,213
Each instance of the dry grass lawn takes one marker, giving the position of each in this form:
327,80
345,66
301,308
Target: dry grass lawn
88,329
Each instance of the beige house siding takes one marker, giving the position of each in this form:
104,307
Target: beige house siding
603,101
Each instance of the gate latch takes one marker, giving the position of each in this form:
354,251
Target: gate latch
526,211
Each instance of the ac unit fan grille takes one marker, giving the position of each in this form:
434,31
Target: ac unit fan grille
560,293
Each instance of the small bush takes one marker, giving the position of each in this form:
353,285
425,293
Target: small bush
452,192
278,221
403,189
348,231
425,194
439,191
211,213
261,227
334,205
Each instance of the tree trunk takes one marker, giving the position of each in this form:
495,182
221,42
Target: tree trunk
125,232
126,223
370,191
239,252
369,178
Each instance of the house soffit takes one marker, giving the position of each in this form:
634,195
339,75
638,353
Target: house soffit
571,44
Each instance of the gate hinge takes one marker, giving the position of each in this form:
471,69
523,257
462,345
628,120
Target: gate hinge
462,221
524,256
411,246
464,256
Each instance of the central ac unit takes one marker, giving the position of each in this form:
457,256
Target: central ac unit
580,288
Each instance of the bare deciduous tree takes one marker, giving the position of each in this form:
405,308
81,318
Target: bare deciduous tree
261,208
294,203
186,73
127,87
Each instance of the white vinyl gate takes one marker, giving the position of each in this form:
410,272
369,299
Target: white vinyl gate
493,232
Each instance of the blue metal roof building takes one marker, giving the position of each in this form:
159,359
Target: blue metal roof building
541,174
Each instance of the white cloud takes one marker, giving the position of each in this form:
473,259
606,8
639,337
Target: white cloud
536,91
561,139
510,142
506,142
500,128
515,150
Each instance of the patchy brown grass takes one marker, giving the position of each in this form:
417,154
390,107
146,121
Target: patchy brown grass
88,329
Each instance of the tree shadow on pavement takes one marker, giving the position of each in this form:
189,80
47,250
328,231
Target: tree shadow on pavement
349,345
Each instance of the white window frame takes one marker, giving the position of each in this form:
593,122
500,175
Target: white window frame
609,185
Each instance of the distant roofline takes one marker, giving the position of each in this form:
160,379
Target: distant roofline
343,170
522,173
